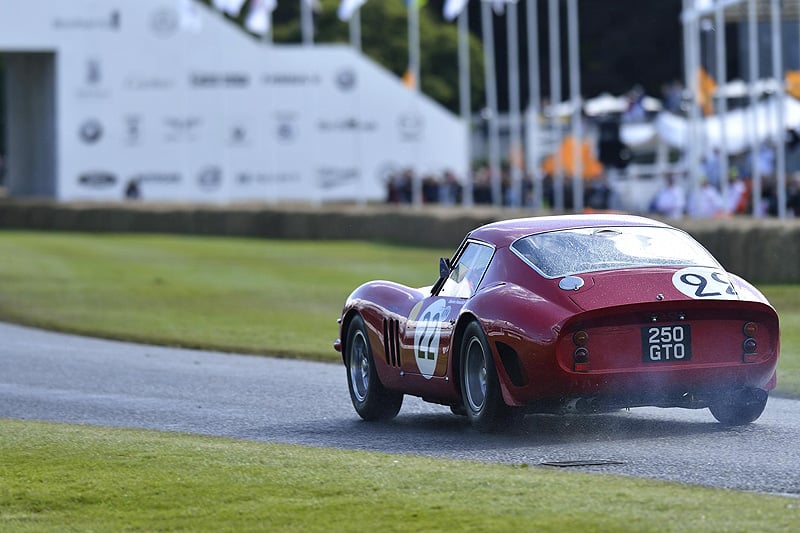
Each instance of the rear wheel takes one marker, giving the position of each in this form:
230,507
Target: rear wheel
740,408
480,388
370,399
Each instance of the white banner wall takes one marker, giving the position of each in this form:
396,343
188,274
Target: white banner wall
199,110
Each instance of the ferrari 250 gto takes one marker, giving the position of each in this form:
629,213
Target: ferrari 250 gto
561,314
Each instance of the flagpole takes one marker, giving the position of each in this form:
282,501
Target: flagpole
534,102
491,102
355,30
753,64
307,22
778,76
512,38
413,68
575,98
465,101
722,100
555,99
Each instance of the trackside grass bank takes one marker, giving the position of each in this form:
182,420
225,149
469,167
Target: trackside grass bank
273,297
58,477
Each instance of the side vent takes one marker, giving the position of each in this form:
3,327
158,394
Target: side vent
391,342
511,364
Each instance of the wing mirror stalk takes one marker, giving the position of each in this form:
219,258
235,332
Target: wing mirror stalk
444,268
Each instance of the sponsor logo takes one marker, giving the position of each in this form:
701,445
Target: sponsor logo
288,79
238,136
226,80
91,131
147,83
163,178
97,179
93,80
164,22
347,124
182,129
286,127
266,178
210,178
110,22
332,177
93,72
346,79
133,129
411,126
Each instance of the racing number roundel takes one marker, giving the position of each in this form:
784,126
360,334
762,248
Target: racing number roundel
426,336
704,283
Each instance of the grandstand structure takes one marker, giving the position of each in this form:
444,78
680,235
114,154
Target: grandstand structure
112,99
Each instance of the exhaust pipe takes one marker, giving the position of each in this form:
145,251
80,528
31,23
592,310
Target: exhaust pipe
582,406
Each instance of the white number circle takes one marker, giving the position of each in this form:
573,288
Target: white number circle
704,283
426,336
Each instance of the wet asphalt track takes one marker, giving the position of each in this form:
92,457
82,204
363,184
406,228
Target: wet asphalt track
63,378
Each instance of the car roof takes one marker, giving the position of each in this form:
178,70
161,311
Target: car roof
504,232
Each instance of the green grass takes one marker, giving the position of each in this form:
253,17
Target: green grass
72,478
243,295
255,296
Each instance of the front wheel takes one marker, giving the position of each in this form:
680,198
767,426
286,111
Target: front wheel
370,399
740,408
480,387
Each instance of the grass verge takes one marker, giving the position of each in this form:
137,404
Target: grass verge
243,295
57,477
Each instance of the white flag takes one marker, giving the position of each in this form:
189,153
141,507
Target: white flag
259,17
231,7
190,19
234,7
348,7
453,8
500,5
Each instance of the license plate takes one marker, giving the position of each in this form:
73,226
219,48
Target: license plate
661,344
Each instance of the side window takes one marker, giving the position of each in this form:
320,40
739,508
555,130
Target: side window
467,271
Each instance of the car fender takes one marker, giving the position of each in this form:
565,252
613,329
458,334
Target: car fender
522,328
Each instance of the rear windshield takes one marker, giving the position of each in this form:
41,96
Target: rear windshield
560,253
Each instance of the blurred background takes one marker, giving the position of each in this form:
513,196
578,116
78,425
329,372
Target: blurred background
673,108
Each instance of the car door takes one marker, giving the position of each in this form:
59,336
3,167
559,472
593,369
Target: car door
430,325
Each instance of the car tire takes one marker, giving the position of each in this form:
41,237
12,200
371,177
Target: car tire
740,408
371,400
480,387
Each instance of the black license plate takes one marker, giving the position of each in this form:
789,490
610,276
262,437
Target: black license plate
662,344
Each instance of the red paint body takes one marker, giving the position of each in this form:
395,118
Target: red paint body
530,322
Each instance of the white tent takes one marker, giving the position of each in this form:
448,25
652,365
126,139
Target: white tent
739,125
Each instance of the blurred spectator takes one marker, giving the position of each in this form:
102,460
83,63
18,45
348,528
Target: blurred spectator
671,200
705,201
672,95
635,111
711,166
736,198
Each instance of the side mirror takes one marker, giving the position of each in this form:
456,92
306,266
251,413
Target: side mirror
444,268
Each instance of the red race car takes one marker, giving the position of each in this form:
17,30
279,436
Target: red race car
583,313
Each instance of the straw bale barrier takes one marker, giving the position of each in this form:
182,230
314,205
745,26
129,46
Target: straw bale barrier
760,250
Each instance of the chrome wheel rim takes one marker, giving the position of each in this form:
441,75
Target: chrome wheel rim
359,366
475,375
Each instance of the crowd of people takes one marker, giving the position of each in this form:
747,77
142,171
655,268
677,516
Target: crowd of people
711,198
678,197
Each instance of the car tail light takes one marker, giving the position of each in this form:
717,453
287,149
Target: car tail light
580,338
580,356
750,345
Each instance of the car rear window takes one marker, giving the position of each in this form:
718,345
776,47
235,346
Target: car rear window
560,253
